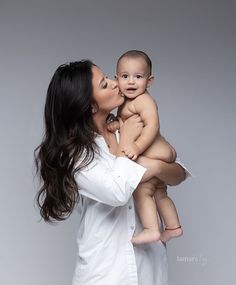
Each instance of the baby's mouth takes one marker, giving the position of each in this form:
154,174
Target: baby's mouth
131,89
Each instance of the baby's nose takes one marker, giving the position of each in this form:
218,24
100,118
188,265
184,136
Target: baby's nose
131,79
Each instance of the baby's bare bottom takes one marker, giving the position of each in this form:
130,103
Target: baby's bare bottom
161,149
150,197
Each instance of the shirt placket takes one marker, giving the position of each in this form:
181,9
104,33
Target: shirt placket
132,268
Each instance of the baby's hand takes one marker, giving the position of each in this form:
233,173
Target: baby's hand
132,151
112,123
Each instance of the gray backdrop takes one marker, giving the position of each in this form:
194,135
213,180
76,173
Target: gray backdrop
192,44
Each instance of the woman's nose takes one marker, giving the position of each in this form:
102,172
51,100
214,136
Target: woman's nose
113,84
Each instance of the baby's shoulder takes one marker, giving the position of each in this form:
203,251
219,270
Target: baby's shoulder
127,109
144,98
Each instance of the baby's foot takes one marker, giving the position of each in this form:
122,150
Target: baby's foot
170,233
146,236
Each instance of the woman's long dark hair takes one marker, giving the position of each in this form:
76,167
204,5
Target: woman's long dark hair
69,136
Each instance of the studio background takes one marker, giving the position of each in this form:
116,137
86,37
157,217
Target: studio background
192,46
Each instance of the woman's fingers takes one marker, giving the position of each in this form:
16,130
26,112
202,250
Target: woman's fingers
113,126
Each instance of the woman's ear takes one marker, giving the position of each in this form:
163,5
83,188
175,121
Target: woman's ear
150,80
94,108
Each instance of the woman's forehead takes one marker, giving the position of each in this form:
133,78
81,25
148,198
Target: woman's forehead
98,75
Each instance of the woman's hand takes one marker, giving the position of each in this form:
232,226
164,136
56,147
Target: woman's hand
113,126
112,123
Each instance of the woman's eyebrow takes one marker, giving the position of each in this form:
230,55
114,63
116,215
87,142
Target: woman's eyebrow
101,81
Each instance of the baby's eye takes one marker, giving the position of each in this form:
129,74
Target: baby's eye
125,76
139,76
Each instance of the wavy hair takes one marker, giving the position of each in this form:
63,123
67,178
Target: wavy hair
68,138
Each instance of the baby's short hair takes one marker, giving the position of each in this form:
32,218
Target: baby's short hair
135,54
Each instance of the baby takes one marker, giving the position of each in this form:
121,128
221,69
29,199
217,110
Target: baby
134,77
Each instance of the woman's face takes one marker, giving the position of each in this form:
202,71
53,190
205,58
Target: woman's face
105,92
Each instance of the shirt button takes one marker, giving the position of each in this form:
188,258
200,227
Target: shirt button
130,207
132,227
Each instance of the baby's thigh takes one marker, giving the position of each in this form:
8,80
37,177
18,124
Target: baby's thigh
161,149
147,188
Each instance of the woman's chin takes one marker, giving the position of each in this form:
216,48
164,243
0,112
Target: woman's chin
122,100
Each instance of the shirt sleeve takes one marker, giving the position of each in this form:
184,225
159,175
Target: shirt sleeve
111,185
187,172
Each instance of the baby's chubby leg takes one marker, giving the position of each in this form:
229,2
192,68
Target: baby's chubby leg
169,214
147,211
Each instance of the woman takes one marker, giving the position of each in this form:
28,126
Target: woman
81,163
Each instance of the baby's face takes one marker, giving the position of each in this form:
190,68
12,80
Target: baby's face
132,76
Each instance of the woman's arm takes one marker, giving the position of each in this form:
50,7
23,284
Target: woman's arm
108,180
170,173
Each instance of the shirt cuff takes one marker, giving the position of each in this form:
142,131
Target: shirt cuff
187,172
131,171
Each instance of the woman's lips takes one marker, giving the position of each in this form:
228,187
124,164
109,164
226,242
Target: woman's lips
121,94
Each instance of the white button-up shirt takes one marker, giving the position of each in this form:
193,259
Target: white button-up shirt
107,222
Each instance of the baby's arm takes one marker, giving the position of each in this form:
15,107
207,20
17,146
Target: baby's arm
146,107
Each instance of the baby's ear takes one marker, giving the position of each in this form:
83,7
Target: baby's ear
115,77
150,80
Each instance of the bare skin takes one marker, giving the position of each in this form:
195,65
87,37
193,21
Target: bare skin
134,77
171,174
106,98
150,142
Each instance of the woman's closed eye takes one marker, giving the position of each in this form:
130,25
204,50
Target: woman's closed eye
104,85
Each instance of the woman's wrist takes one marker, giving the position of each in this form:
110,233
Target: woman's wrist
119,150
152,165
169,173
